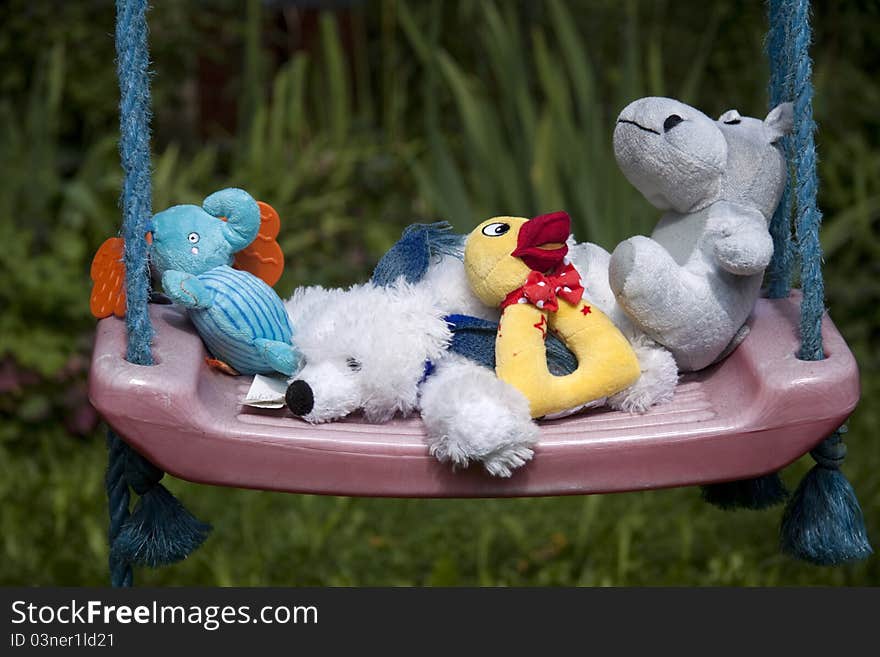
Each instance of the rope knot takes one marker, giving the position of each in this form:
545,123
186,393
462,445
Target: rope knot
140,474
831,452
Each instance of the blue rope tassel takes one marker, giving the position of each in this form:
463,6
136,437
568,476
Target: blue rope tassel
160,530
823,522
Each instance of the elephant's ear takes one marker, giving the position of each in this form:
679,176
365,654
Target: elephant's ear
108,280
263,257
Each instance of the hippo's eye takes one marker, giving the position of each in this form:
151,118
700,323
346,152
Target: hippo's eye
193,237
671,121
496,230
353,364
733,122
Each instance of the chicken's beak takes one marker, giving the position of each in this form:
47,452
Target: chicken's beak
541,242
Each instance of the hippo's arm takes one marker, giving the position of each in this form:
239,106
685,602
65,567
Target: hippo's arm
187,290
744,247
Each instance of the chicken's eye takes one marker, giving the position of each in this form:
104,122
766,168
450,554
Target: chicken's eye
353,364
193,237
496,229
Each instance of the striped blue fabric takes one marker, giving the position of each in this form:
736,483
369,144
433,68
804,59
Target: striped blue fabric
244,309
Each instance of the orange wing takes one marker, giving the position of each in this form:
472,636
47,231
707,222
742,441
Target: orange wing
108,278
263,257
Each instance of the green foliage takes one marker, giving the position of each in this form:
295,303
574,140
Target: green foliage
340,189
532,129
456,110
532,125
52,221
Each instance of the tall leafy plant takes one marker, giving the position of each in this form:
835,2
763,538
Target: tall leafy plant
531,126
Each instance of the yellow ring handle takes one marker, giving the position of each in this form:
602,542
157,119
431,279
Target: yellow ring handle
607,363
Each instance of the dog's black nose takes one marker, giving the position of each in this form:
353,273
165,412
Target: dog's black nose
300,399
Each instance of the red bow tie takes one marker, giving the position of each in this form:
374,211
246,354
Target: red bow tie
542,290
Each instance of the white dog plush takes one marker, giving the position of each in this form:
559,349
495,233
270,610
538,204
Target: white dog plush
383,350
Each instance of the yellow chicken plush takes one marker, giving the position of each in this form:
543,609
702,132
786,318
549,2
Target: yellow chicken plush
520,265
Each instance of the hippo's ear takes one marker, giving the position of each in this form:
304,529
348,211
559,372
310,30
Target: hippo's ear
779,121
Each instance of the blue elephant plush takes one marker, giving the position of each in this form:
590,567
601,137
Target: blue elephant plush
238,315
240,318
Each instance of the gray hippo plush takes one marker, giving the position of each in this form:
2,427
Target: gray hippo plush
692,285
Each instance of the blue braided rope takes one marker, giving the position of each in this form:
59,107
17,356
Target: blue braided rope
159,530
134,149
767,490
823,522
118,497
808,217
780,90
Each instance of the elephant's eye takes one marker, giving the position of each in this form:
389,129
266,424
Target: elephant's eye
496,230
353,364
193,237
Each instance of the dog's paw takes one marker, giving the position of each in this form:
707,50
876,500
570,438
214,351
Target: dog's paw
503,462
447,449
472,416
485,433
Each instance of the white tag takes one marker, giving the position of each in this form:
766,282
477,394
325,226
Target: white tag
266,392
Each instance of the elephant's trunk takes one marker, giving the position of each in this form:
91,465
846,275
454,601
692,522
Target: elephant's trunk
242,215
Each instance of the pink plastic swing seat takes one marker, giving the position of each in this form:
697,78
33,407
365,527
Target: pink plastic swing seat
752,414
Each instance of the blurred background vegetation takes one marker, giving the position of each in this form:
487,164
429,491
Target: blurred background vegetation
355,119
